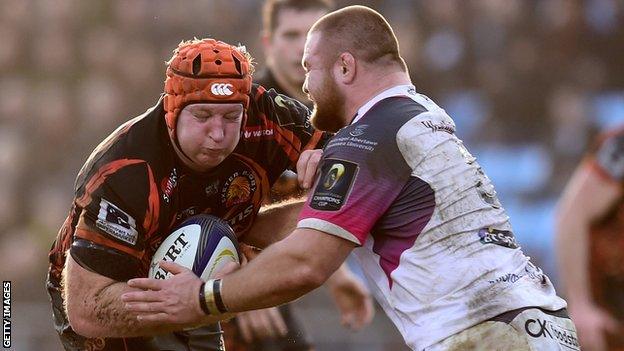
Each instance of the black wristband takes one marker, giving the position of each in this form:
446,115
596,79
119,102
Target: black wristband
217,296
202,299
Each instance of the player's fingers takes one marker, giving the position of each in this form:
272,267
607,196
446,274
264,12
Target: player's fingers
172,267
144,307
249,251
310,171
146,283
277,321
369,311
302,165
260,325
140,296
154,317
242,320
225,270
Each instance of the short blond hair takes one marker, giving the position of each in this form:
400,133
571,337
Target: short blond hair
361,31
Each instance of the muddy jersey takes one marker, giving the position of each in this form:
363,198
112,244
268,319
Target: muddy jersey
133,189
433,239
606,240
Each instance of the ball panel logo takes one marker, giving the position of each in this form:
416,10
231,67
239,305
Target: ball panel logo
337,178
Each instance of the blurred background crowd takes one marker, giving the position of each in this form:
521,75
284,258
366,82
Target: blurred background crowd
528,82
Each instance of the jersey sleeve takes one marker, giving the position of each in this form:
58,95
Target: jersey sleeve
608,157
278,130
117,209
358,181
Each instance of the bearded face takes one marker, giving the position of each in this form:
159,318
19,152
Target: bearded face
329,104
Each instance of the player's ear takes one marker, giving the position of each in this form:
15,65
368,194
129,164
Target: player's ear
346,67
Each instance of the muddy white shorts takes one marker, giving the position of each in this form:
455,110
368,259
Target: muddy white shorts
530,329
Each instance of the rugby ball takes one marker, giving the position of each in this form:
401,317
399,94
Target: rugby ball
202,243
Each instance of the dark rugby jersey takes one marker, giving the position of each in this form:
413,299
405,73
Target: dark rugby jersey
133,189
606,241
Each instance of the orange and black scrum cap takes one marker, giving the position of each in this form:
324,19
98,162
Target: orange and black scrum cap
206,71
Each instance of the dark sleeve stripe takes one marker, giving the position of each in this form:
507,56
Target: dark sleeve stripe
98,179
102,240
291,145
150,222
313,143
259,93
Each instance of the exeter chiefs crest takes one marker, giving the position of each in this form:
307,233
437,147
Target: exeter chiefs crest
238,188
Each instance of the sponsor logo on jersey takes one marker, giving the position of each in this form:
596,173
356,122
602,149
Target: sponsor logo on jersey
238,188
191,211
168,185
212,188
538,328
334,186
358,130
221,89
502,238
240,216
257,132
439,126
117,223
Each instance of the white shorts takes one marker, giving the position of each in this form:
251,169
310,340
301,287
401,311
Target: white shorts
530,329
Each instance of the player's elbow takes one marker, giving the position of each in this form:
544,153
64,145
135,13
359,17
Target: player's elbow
82,324
312,275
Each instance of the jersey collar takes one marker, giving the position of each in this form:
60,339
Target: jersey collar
397,90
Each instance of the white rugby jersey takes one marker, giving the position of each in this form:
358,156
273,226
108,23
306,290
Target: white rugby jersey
435,242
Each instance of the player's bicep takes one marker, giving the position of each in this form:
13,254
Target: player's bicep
348,199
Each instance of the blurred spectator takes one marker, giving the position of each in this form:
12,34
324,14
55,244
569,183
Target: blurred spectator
590,238
544,75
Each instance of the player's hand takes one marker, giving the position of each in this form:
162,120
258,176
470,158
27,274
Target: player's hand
261,324
306,167
352,299
592,323
173,301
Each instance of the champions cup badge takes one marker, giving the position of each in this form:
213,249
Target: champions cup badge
333,176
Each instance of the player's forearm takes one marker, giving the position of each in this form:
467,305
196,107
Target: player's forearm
274,223
103,315
275,277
